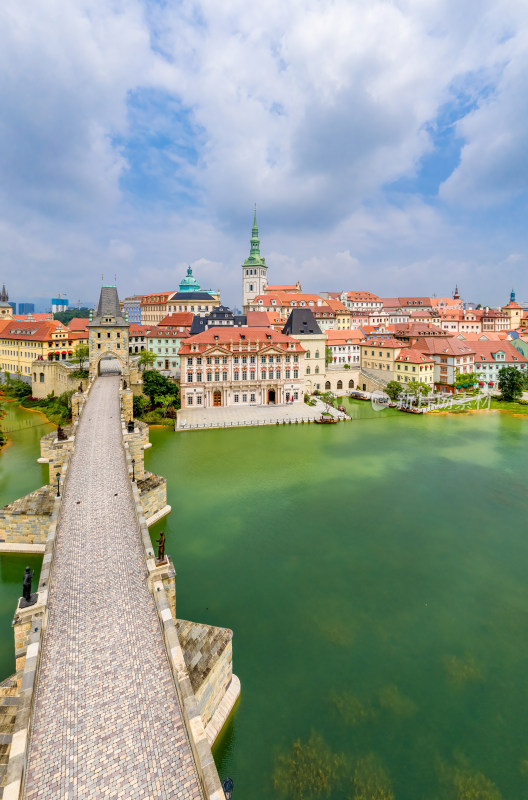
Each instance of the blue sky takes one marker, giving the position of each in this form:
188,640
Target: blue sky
385,143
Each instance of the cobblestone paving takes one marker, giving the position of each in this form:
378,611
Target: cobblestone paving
107,721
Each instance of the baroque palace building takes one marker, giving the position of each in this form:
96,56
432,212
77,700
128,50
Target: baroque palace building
237,366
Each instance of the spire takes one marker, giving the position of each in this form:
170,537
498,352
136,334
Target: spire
255,241
254,259
4,297
512,296
456,295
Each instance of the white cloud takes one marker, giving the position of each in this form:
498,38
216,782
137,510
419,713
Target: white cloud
308,108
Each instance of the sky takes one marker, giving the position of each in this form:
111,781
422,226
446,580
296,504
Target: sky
384,142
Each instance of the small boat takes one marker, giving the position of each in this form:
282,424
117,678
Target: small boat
341,408
326,419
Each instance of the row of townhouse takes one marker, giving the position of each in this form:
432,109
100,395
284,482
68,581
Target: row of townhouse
439,360
330,313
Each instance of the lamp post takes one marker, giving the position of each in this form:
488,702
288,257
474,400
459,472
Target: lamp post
227,786
58,483
133,470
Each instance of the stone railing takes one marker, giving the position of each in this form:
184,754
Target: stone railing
198,739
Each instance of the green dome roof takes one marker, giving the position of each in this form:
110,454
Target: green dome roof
189,283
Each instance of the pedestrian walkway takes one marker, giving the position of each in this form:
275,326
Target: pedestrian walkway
107,721
233,416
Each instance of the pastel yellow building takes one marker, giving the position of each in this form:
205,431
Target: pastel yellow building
411,365
24,341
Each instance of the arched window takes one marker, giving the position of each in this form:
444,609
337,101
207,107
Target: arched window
42,377
351,384
340,384
317,353
327,385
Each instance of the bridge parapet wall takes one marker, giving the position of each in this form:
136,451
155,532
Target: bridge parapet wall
29,625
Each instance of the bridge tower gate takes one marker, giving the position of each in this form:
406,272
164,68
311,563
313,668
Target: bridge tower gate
108,336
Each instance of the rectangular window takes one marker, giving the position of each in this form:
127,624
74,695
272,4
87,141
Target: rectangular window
199,377
224,376
252,359
277,374
224,359
235,360
236,398
244,375
288,373
209,377
235,375
189,401
209,360
189,360
263,374
252,374
251,398
199,400
295,373
198,360
287,359
244,398
244,359
217,359
296,359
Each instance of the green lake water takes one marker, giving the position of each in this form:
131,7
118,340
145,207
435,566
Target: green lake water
19,475
375,576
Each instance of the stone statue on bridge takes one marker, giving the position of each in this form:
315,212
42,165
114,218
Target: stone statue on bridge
28,599
161,547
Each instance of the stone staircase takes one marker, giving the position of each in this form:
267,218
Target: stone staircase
372,379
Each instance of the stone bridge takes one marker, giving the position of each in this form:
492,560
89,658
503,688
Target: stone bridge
113,695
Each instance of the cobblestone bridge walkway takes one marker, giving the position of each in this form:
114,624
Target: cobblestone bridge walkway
107,721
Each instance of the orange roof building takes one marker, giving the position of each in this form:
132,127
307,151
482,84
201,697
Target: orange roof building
240,367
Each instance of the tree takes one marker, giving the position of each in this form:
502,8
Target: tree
156,385
66,316
394,389
329,400
329,358
418,388
164,401
147,359
511,383
467,379
81,353
139,405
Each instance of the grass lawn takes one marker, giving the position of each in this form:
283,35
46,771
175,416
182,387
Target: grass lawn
502,405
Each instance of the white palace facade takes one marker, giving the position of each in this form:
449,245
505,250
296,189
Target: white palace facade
241,366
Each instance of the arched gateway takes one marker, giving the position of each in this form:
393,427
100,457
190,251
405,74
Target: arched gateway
108,337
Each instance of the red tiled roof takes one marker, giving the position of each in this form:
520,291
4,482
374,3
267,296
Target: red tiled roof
484,351
78,324
40,317
341,337
263,319
413,356
179,319
28,329
448,345
224,335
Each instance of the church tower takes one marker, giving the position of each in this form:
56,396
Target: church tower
254,270
6,310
